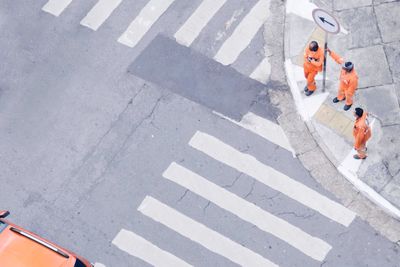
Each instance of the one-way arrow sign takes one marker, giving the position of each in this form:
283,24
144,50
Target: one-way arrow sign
326,21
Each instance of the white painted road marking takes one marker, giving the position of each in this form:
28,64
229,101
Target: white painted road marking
262,72
99,265
278,181
99,13
294,236
264,128
201,234
197,21
56,7
243,34
139,247
143,22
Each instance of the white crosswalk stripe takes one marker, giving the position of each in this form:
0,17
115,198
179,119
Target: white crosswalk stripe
139,247
56,7
276,180
243,34
197,21
201,234
309,245
99,13
143,22
264,128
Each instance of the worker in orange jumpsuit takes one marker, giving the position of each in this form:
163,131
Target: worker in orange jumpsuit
348,81
361,133
313,62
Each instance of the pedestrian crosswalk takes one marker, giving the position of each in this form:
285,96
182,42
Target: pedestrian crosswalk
139,247
243,33
186,33
127,240
56,7
310,246
191,29
99,13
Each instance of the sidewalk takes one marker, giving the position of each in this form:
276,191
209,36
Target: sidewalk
370,38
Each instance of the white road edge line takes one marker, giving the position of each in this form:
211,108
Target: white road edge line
197,21
244,33
56,7
201,234
249,165
139,247
262,127
265,221
144,21
99,13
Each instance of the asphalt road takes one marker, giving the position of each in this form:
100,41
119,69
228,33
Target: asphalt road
101,143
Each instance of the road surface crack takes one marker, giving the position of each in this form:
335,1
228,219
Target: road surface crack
234,181
251,190
184,194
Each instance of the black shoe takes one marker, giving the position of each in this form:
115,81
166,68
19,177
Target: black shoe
335,100
305,88
346,107
358,157
308,93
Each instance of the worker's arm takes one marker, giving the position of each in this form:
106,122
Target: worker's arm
336,57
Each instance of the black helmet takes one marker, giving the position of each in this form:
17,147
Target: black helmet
313,46
348,66
359,112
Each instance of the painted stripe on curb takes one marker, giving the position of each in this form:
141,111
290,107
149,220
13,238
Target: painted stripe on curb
99,13
265,221
144,21
56,7
197,21
201,234
276,180
244,33
139,247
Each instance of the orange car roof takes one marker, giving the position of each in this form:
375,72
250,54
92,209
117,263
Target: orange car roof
17,250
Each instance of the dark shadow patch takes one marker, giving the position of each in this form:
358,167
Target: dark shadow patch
197,77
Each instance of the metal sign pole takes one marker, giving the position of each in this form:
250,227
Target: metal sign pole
325,54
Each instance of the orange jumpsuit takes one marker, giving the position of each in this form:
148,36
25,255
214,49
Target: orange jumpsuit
361,134
311,68
348,81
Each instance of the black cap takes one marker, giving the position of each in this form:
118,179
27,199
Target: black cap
313,46
359,112
348,66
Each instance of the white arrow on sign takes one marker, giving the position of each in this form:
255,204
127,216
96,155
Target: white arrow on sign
326,21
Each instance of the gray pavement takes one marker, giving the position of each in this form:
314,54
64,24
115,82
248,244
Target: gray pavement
88,126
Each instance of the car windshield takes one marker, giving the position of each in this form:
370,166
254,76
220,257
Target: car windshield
3,226
78,263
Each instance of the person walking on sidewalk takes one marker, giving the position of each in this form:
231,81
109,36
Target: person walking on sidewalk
361,133
313,62
348,81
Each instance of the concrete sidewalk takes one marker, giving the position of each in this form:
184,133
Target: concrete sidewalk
370,38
